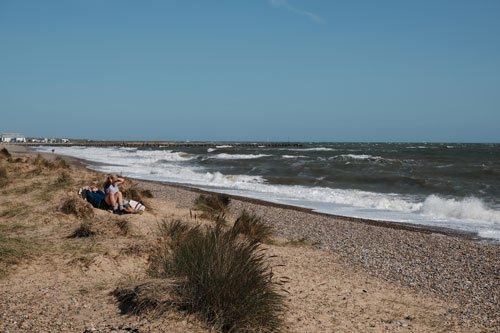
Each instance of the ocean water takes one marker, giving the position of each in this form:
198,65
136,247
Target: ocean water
454,186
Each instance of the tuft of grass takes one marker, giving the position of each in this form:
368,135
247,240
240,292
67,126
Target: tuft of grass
12,251
4,153
212,206
42,163
124,226
172,229
63,180
223,278
3,173
252,226
83,230
77,207
4,177
147,194
134,192
14,210
61,163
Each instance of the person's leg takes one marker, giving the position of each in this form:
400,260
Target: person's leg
119,199
111,200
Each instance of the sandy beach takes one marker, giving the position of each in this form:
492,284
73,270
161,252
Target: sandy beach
345,275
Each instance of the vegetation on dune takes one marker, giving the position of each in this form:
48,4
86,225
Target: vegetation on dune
212,206
133,191
222,277
4,177
77,207
252,226
12,251
4,153
12,210
83,230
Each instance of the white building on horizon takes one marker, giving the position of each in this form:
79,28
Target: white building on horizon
12,138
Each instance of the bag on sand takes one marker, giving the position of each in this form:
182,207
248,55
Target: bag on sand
136,205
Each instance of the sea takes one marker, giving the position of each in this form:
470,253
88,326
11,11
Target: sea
445,185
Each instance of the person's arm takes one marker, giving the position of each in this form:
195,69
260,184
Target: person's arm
119,181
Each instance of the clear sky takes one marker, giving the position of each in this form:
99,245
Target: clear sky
287,70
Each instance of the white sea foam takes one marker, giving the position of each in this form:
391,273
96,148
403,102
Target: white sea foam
293,156
358,157
210,150
224,156
312,149
470,208
224,146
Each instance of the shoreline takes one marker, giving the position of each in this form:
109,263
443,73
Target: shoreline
457,269
415,227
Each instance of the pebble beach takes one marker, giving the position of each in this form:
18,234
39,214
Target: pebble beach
452,267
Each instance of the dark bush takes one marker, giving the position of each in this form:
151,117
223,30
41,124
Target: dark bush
252,226
84,230
5,153
212,206
223,278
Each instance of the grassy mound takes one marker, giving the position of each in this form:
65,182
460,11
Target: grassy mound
252,226
77,207
212,206
220,276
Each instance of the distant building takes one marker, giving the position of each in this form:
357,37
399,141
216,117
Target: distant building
12,138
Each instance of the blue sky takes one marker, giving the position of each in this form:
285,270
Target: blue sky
293,70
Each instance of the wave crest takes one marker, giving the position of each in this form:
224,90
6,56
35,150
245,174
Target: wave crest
470,208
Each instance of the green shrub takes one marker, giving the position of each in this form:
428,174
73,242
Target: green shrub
223,278
252,226
212,206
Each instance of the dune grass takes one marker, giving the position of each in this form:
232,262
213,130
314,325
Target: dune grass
12,251
77,207
212,206
223,278
251,226
84,230
4,177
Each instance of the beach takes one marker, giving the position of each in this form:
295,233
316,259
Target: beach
344,274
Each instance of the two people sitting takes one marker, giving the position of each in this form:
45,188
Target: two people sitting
112,197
